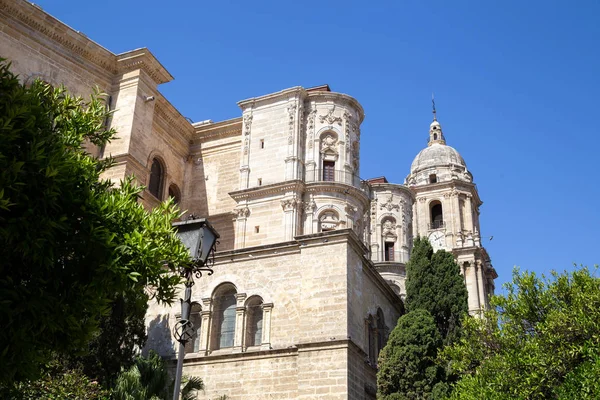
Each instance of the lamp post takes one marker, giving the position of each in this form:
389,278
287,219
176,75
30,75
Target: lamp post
201,239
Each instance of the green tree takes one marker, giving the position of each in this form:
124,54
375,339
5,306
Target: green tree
407,368
122,333
434,284
57,382
436,300
539,341
148,379
70,240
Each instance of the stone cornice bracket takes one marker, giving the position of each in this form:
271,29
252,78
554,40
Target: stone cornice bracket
143,59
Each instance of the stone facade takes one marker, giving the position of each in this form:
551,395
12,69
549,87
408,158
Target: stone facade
310,267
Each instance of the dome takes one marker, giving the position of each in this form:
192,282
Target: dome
436,155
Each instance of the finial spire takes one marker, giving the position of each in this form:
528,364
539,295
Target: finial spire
433,104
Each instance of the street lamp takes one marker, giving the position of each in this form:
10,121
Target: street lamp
201,239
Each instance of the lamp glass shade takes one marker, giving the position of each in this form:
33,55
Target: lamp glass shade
198,236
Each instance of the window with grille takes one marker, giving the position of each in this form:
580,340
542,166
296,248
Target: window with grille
329,171
389,251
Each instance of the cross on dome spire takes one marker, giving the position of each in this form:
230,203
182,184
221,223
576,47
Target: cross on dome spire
435,129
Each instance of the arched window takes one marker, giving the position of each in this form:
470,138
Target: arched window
381,338
156,179
437,216
224,317
371,340
388,234
254,321
193,345
329,155
175,193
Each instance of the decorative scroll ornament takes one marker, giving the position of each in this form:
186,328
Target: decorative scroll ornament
389,205
389,228
291,116
311,127
241,212
329,142
330,118
347,122
351,210
247,123
310,206
290,204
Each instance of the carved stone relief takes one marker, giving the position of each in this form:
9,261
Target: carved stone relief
330,118
291,116
389,204
311,127
290,204
247,123
329,142
241,213
329,219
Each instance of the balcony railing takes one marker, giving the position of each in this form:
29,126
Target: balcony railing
386,256
337,176
436,225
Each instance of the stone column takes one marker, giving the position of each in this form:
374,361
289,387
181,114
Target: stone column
472,288
265,342
423,216
481,286
240,314
205,314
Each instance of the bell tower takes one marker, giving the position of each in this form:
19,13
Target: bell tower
446,211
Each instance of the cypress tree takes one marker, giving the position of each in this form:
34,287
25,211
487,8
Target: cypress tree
434,284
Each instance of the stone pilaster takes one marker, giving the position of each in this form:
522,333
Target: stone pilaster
265,342
241,216
205,314
240,315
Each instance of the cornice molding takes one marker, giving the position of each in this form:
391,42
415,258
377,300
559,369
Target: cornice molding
376,187
166,112
230,127
464,187
56,31
342,98
326,186
262,191
282,94
143,59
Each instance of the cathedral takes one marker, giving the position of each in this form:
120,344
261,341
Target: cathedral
310,268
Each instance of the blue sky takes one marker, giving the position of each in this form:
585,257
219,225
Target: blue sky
516,86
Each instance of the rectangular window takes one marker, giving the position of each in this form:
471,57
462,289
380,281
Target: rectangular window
389,251
256,229
329,171
262,143
259,181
